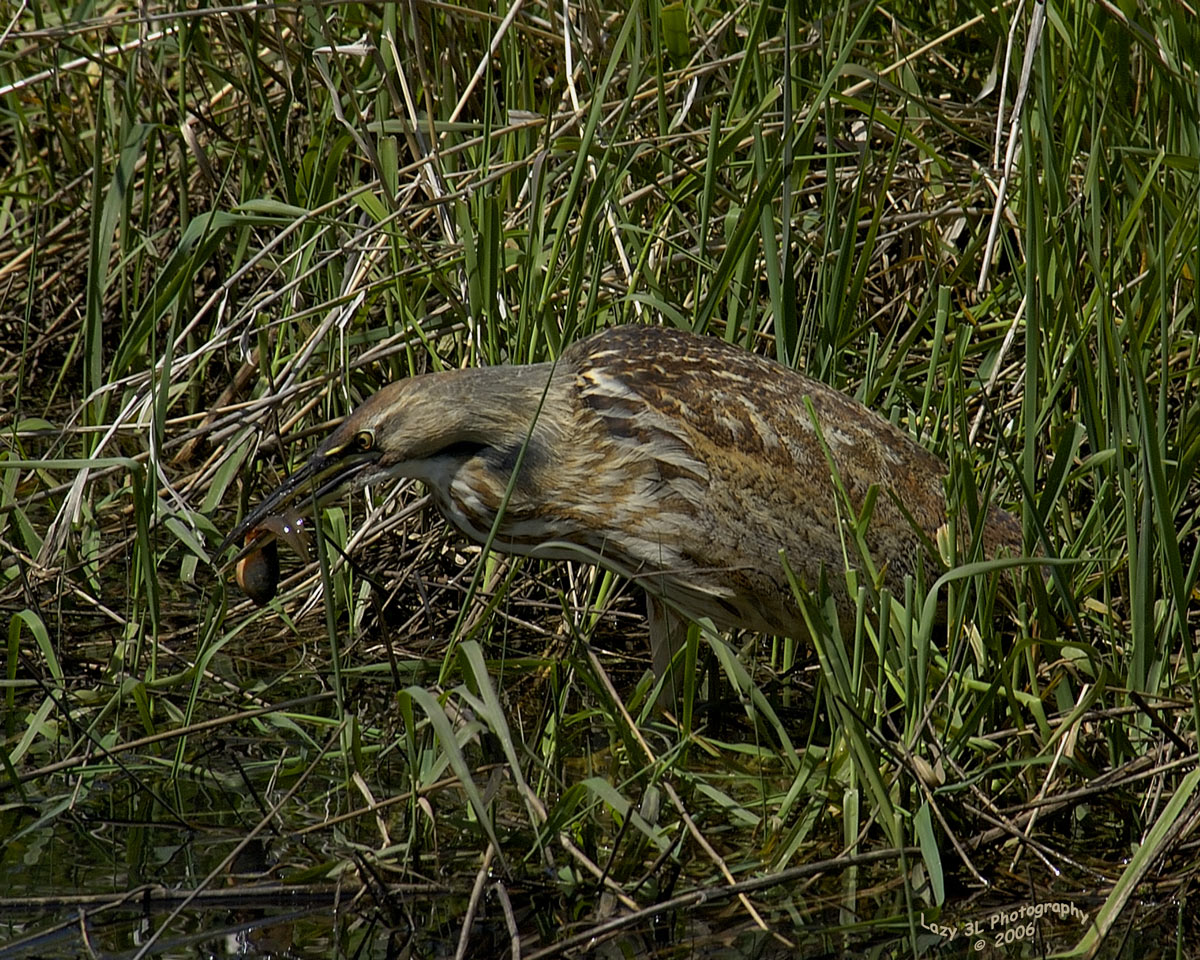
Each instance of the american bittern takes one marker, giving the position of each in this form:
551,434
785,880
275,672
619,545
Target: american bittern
679,461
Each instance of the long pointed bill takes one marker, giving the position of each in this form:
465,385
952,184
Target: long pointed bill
313,484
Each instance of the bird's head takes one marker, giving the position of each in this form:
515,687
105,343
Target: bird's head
421,427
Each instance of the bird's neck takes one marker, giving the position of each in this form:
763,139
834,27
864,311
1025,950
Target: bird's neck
491,405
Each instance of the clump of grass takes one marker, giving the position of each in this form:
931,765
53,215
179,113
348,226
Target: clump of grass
220,230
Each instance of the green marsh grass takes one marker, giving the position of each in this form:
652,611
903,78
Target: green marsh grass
220,229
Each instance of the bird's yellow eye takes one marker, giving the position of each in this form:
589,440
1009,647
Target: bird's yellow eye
364,440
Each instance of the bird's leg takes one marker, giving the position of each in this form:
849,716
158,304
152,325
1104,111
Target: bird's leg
668,633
